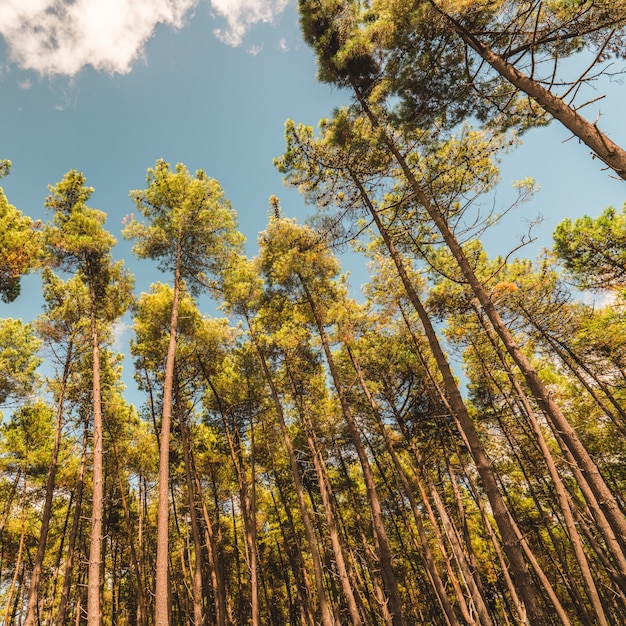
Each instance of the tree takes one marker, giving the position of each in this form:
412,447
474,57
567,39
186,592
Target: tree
190,232
77,242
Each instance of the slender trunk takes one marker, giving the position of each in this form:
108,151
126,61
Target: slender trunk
198,609
142,615
217,575
324,487
293,550
162,590
370,555
538,389
326,615
508,530
94,611
247,505
429,560
573,362
20,553
35,579
383,548
606,150
563,499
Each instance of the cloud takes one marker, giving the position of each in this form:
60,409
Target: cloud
241,15
61,37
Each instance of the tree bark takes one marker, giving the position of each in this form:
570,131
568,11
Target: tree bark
94,610
162,590
381,540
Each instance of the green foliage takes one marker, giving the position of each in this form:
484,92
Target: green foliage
18,360
20,245
421,58
27,438
594,250
190,224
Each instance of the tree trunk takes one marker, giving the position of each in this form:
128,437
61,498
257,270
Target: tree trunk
425,547
196,587
20,553
162,587
326,615
325,494
94,611
381,540
247,505
71,548
562,496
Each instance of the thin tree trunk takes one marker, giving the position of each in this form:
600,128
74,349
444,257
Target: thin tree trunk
383,548
429,560
71,548
162,588
20,553
539,391
324,487
94,611
326,615
142,614
247,505
564,502
198,609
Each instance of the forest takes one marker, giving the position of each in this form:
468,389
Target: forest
446,449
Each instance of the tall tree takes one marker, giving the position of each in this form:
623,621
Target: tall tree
190,232
78,243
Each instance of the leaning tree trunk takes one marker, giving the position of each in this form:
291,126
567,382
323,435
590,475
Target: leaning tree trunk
381,540
539,391
325,494
606,150
429,560
326,615
508,530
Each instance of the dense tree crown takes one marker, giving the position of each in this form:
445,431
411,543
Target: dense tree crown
447,448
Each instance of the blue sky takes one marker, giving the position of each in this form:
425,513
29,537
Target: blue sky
109,86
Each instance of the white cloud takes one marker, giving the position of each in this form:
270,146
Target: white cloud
241,15
282,44
61,37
